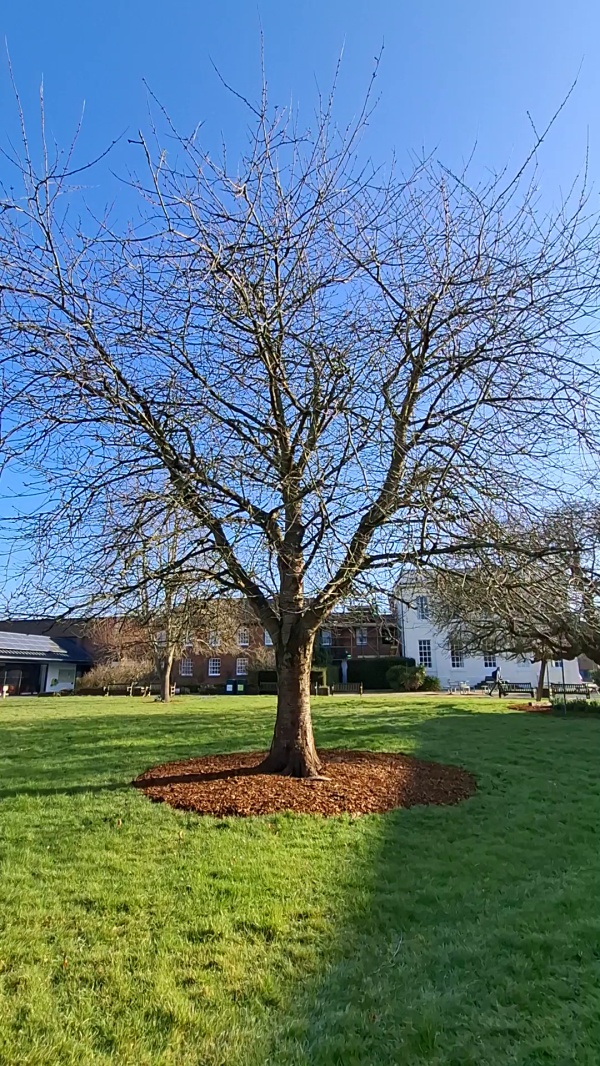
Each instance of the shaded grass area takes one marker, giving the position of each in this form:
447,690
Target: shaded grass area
133,933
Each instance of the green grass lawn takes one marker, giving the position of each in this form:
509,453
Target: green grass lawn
131,933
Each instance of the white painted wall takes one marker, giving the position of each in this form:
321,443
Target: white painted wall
60,677
473,671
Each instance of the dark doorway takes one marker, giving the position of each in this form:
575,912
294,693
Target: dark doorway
22,679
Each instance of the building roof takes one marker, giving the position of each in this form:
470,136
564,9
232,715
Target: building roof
19,646
359,617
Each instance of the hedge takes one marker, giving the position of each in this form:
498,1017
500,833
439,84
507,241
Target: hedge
584,707
372,672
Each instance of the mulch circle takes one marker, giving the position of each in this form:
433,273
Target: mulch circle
358,782
531,708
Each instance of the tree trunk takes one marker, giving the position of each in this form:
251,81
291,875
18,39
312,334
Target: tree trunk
164,673
540,685
293,749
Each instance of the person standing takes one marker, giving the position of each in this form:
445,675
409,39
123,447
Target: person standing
497,682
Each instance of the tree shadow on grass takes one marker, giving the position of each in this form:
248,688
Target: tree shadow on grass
65,753
470,936
42,756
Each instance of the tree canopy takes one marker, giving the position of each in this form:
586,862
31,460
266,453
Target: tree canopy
336,369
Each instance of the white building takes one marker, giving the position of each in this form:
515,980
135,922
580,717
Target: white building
428,646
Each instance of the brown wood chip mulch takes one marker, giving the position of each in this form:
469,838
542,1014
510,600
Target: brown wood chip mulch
358,782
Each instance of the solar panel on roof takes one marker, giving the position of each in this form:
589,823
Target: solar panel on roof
13,645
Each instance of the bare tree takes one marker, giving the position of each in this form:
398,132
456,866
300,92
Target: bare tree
115,639
155,579
539,597
146,563
333,367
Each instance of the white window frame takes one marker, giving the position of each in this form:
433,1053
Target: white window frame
326,640
557,662
360,633
214,638
186,667
243,637
457,657
214,667
241,667
268,639
490,660
425,654
422,608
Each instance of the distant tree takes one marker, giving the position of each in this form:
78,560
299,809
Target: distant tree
334,368
116,639
142,576
539,597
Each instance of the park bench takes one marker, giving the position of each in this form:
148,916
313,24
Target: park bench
117,690
514,688
575,689
135,690
348,688
269,688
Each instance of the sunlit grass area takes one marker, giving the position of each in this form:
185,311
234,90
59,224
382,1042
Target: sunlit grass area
131,933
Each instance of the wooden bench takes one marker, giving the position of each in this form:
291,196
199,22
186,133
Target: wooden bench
349,688
512,688
574,689
135,689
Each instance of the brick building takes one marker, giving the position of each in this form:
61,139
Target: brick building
347,635
211,660
358,635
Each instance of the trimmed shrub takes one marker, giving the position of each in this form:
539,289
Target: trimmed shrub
431,684
373,672
124,672
577,706
405,678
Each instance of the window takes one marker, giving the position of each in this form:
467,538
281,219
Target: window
214,667
268,639
489,660
214,638
325,638
425,658
457,656
188,641
65,675
241,667
361,636
422,603
243,636
558,662
186,668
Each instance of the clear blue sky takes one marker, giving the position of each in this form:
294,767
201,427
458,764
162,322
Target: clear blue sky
453,72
